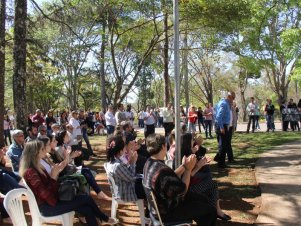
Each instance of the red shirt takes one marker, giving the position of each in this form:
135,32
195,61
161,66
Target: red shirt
37,120
43,187
192,116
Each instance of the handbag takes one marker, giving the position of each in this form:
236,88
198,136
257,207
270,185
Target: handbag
68,189
83,186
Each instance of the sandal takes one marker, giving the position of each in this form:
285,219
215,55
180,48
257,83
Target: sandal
112,221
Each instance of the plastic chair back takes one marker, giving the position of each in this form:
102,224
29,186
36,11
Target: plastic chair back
116,201
14,206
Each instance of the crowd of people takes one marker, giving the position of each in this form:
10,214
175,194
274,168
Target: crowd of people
53,148
290,114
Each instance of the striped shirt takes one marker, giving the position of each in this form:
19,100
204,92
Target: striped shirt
124,177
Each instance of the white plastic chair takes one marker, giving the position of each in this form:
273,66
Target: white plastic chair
116,201
37,219
14,207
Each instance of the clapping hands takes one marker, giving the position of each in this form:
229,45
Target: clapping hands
56,169
133,156
189,162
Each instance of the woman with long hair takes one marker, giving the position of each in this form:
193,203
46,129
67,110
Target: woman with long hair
45,187
201,181
62,139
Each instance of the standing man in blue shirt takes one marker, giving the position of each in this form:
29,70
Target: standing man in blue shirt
222,124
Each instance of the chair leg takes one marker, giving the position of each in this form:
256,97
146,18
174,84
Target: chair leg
114,208
140,205
68,219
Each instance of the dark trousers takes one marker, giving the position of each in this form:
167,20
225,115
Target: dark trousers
251,119
90,179
3,212
229,151
110,129
168,127
8,181
224,144
7,135
201,122
83,204
86,153
148,130
140,123
208,127
284,122
196,207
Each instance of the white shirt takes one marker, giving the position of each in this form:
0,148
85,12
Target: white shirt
110,119
129,116
149,120
141,114
46,166
167,114
73,139
251,108
76,127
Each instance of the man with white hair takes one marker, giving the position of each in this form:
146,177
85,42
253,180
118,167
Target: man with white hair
15,150
222,126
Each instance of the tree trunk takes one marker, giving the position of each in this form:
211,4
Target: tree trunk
2,66
165,55
102,68
243,105
19,74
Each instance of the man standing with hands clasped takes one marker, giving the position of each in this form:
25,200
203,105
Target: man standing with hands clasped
222,123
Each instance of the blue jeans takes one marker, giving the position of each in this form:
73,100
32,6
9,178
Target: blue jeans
270,122
86,138
83,204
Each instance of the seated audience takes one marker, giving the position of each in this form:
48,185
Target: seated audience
32,133
55,127
45,187
15,149
128,183
201,178
50,120
8,180
59,155
42,131
171,188
74,143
